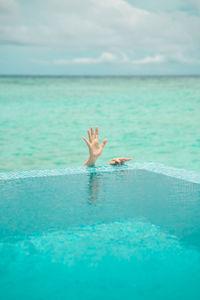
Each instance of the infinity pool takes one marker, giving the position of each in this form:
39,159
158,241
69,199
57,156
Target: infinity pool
100,233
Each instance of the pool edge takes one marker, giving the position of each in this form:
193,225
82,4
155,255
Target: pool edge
190,176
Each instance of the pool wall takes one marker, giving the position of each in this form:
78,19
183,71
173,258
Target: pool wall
190,176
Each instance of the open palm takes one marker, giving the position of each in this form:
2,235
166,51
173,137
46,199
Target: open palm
94,147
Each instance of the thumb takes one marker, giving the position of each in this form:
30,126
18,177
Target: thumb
103,144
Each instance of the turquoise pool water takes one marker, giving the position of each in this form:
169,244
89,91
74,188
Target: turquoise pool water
100,233
42,120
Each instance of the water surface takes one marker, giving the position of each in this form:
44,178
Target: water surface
42,120
129,234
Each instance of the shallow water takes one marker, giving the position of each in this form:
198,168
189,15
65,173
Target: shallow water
124,259
150,119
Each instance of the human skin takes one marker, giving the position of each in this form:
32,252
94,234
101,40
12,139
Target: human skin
95,149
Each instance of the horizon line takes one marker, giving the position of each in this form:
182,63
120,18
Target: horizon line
99,75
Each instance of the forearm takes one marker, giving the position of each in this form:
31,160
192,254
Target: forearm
90,162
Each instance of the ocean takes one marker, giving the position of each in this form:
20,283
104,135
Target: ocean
43,119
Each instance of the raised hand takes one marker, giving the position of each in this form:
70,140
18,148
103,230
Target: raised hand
119,160
95,149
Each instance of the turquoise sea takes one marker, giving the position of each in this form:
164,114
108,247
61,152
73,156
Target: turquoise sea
42,120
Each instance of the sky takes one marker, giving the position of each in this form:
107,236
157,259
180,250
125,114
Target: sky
100,37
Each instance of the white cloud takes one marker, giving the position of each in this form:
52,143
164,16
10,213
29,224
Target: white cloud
103,58
108,58
111,58
109,27
149,60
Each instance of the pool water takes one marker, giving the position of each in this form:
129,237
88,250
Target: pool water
121,234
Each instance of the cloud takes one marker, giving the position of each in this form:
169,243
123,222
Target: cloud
110,58
149,60
9,9
103,58
109,27
122,58
166,6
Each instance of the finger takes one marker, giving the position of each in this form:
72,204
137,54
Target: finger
86,141
89,135
115,159
112,162
124,158
92,131
103,144
96,131
118,160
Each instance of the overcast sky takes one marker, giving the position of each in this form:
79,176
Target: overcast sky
97,37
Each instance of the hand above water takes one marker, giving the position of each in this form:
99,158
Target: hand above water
95,149
119,160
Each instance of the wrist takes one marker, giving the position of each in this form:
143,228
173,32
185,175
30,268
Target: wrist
90,162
